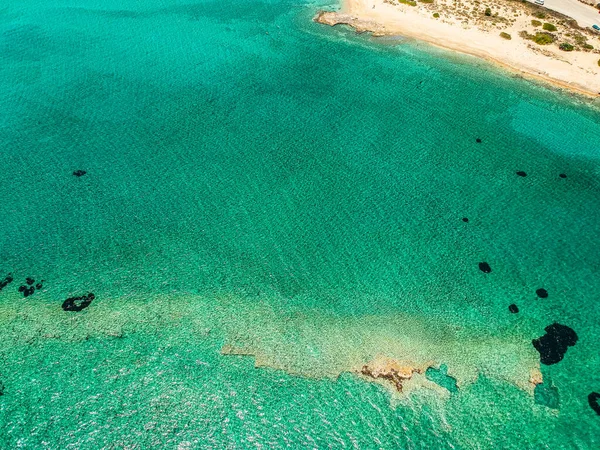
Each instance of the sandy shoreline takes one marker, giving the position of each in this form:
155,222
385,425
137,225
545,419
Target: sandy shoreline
577,71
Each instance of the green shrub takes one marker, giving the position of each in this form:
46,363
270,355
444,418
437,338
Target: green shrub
408,2
599,62
588,46
536,23
566,47
426,1
540,15
505,36
541,38
488,12
525,35
549,27
436,15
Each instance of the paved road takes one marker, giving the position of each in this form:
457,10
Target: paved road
585,15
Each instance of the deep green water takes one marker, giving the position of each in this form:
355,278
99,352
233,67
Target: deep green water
296,192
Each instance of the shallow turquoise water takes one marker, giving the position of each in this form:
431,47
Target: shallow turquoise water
294,191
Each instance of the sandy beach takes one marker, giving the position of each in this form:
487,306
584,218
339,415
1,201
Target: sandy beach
464,27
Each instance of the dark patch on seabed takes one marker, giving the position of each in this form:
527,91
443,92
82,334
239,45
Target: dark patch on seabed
485,267
521,173
542,293
554,344
593,401
77,304
7,280
440,377
79,173
28,289
513,308
546,394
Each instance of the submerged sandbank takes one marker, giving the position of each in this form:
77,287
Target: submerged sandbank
392,350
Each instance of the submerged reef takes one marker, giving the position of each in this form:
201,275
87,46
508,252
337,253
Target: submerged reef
485,267
7,280
554,344
77,304
593,402
28,289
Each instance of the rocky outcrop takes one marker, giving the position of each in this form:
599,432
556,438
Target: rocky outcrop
389,370
535,377
360,26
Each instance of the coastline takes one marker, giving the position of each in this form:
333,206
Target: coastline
518,56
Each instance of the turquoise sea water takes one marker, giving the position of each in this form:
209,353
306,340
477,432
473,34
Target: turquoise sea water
261,185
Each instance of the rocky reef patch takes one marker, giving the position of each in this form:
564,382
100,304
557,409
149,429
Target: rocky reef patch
554,344
77,304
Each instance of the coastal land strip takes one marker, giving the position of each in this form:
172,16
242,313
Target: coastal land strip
522,37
